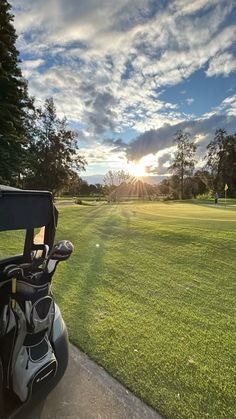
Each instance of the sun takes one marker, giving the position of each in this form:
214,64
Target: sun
136,169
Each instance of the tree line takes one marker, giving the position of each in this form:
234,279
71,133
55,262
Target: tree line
184,180
218,168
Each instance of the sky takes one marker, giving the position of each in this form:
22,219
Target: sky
128,74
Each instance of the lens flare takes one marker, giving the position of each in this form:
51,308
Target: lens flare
136,169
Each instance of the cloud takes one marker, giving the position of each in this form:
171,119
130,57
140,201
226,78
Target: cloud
101,155
154,148
117,145
221,64
227,107
101,114
190,101
160,166
31,64
202,130
29,67
106,63
150,142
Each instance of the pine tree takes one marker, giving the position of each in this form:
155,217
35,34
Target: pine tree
13,101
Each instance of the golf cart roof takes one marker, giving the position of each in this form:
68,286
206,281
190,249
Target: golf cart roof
25,209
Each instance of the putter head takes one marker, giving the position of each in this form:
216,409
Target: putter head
61,250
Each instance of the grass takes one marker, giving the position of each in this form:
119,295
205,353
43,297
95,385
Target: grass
11,243
149,293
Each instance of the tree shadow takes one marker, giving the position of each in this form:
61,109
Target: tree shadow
83,310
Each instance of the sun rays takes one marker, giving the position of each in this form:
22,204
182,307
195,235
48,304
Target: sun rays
137,170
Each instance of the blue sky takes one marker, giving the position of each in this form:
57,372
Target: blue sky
128,74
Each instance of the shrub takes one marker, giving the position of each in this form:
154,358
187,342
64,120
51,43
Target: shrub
206,195
79,201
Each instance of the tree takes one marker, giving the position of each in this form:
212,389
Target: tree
183,162
221,160
174,187
114,181
115,177
100,189
201,182
53,152
84,188
74,185
13,101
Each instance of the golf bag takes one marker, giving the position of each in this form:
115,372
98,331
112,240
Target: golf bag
26,320
34,347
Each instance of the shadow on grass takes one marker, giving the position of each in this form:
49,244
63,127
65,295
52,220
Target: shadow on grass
92,281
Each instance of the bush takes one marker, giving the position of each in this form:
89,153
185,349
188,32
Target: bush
170,197
79,201
206,195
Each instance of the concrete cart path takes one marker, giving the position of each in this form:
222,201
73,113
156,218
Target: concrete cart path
88,392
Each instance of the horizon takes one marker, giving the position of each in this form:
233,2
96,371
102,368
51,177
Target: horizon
127,76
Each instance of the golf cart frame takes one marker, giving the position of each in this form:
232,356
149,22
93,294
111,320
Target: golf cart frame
29,210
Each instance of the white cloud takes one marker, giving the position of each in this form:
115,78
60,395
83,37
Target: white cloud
189,7
190,101
29,67
31,64
221,64
228,106
100,155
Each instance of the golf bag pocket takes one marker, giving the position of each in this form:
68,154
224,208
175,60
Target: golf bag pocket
40,315
32,292
34,366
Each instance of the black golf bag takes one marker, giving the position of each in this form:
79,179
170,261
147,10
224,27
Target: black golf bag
33,337
25,327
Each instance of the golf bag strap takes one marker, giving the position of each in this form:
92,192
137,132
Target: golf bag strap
1,389
50,229
29,240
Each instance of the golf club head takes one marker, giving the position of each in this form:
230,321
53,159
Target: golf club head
61,250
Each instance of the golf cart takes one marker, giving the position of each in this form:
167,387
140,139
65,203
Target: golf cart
33,336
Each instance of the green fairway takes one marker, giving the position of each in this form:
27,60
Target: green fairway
149,293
